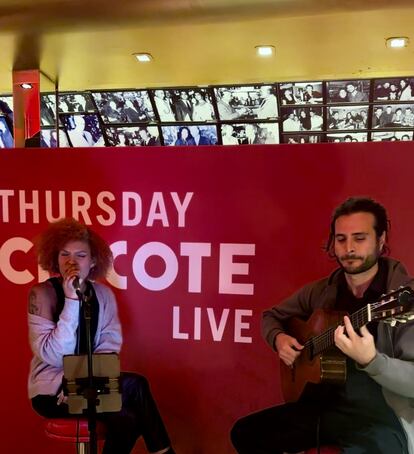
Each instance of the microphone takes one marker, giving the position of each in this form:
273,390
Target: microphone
76,283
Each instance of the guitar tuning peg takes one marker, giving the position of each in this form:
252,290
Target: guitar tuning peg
401,320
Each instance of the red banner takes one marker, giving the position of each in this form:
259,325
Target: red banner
204,240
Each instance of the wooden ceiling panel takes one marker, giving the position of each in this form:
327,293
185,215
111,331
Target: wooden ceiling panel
201,41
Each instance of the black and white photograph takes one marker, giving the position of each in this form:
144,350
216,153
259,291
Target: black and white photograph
133,136
355,91
183,135
184,104
6,105
124,106
252,102
391,136
301,93
83,130
6,136
6,109
347,137
302,119
394,89
48,138
393,116
302,138
249,133
76,102
347,117
47,110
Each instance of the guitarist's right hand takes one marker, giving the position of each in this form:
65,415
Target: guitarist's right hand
288,348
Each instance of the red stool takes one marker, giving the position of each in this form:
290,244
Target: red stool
324,450
73,430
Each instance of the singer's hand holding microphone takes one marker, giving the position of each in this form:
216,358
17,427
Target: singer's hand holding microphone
71,281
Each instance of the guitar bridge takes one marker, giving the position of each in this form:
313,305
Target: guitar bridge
333,368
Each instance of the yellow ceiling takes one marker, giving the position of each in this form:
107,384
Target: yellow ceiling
88,44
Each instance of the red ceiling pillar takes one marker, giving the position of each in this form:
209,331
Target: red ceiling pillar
26,105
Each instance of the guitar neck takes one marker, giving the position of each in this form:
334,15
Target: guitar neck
324,341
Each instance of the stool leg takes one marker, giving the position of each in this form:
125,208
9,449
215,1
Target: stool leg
82,448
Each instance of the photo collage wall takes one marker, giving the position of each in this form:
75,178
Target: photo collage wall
289,112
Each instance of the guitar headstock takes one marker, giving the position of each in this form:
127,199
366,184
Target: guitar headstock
394,307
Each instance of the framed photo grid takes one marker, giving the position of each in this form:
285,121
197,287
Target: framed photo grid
297,112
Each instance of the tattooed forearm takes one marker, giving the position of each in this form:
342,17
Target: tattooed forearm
34,307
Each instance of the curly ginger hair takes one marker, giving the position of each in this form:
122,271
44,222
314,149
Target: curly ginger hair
59,233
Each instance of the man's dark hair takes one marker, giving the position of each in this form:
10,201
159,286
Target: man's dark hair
360,205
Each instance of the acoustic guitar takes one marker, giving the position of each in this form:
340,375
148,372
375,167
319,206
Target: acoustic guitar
320,361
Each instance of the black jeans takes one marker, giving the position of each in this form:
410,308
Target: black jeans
354,416
294,427
138,416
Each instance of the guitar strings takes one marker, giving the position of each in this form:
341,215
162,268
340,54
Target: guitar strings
323,341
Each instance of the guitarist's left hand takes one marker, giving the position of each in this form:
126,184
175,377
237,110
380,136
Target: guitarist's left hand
361,348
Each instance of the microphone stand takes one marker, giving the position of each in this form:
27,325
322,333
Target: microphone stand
90,392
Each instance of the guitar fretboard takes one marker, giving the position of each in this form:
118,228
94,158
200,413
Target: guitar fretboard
322,342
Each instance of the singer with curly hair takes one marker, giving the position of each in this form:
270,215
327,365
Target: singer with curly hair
76,257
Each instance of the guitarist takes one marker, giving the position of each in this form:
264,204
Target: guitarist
373,411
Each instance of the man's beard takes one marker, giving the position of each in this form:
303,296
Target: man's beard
367,263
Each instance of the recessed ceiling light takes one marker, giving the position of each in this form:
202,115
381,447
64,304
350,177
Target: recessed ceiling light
265,51
26,86
397,42
143,58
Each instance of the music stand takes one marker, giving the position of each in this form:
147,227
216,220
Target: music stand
106,372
